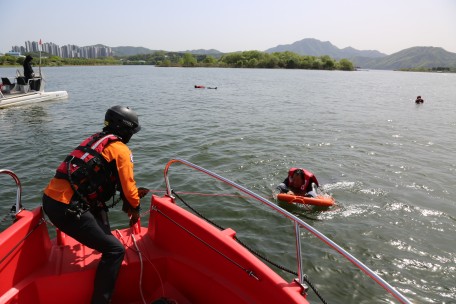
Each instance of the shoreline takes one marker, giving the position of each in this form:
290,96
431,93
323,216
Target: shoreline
59,66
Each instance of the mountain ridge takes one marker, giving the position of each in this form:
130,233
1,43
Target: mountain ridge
315,47
414,57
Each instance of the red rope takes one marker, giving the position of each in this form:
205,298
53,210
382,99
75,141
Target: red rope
238,196
209,194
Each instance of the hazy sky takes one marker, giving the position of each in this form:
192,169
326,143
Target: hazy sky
387,26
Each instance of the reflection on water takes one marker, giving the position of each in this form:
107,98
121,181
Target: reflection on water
388,163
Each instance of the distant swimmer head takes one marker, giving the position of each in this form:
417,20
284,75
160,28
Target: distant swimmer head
196,86
418,97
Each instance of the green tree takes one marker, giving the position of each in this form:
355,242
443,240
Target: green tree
11,59
253,62
325,58
210,59
20,60
272,62
329,64
292,63
316,64
346,64
189,60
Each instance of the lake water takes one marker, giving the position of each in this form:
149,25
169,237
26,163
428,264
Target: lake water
389,163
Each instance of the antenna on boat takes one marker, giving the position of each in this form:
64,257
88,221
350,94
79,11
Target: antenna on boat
40,47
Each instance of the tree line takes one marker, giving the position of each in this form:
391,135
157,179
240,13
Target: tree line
434,69
257,59
52,60
157,56
246,59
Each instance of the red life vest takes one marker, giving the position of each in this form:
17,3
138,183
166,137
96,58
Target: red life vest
419,100
199,87
89,170
308,178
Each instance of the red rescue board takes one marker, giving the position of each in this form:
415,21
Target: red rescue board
320,200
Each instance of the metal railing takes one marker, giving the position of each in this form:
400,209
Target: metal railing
19,188
298,222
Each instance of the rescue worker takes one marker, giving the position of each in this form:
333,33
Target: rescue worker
28,71
76,198
419,100
299,182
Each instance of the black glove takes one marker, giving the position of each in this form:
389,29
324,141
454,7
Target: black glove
142,192
125,206
134,216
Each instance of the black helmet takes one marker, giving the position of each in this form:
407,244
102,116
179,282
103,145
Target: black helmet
122,120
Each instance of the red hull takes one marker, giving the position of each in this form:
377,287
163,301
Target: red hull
48,271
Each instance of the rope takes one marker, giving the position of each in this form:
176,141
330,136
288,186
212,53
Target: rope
144,213
6,216
161,282
249,272
39,223
209,194
140,259
253,251
314,289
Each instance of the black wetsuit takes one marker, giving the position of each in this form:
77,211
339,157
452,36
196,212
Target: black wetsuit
28,73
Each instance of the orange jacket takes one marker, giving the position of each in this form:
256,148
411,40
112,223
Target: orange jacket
60,189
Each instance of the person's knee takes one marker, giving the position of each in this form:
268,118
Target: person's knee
119,249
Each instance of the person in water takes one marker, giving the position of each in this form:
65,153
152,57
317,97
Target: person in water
419,100
75,201
199,87
28,71
299,182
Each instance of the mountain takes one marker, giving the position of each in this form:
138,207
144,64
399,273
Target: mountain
128,50
414,57
314,47
202,52
131,50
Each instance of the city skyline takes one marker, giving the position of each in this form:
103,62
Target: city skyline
66,51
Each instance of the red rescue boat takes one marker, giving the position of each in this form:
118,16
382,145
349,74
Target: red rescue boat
179,257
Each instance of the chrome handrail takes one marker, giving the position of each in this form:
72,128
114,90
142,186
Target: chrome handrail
296,220
19,188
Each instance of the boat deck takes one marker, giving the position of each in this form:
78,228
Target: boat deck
176,265
14,94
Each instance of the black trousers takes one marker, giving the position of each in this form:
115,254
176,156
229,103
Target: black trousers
92,233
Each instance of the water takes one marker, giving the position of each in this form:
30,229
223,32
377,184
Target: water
390,164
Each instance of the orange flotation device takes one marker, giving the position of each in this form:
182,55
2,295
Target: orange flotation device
320,200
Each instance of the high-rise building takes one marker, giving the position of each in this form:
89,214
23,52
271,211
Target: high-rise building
66,51
35,46
28,46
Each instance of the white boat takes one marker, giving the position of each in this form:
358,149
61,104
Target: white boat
17,91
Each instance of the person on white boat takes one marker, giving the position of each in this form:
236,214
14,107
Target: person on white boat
76,198
28,71
298,182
